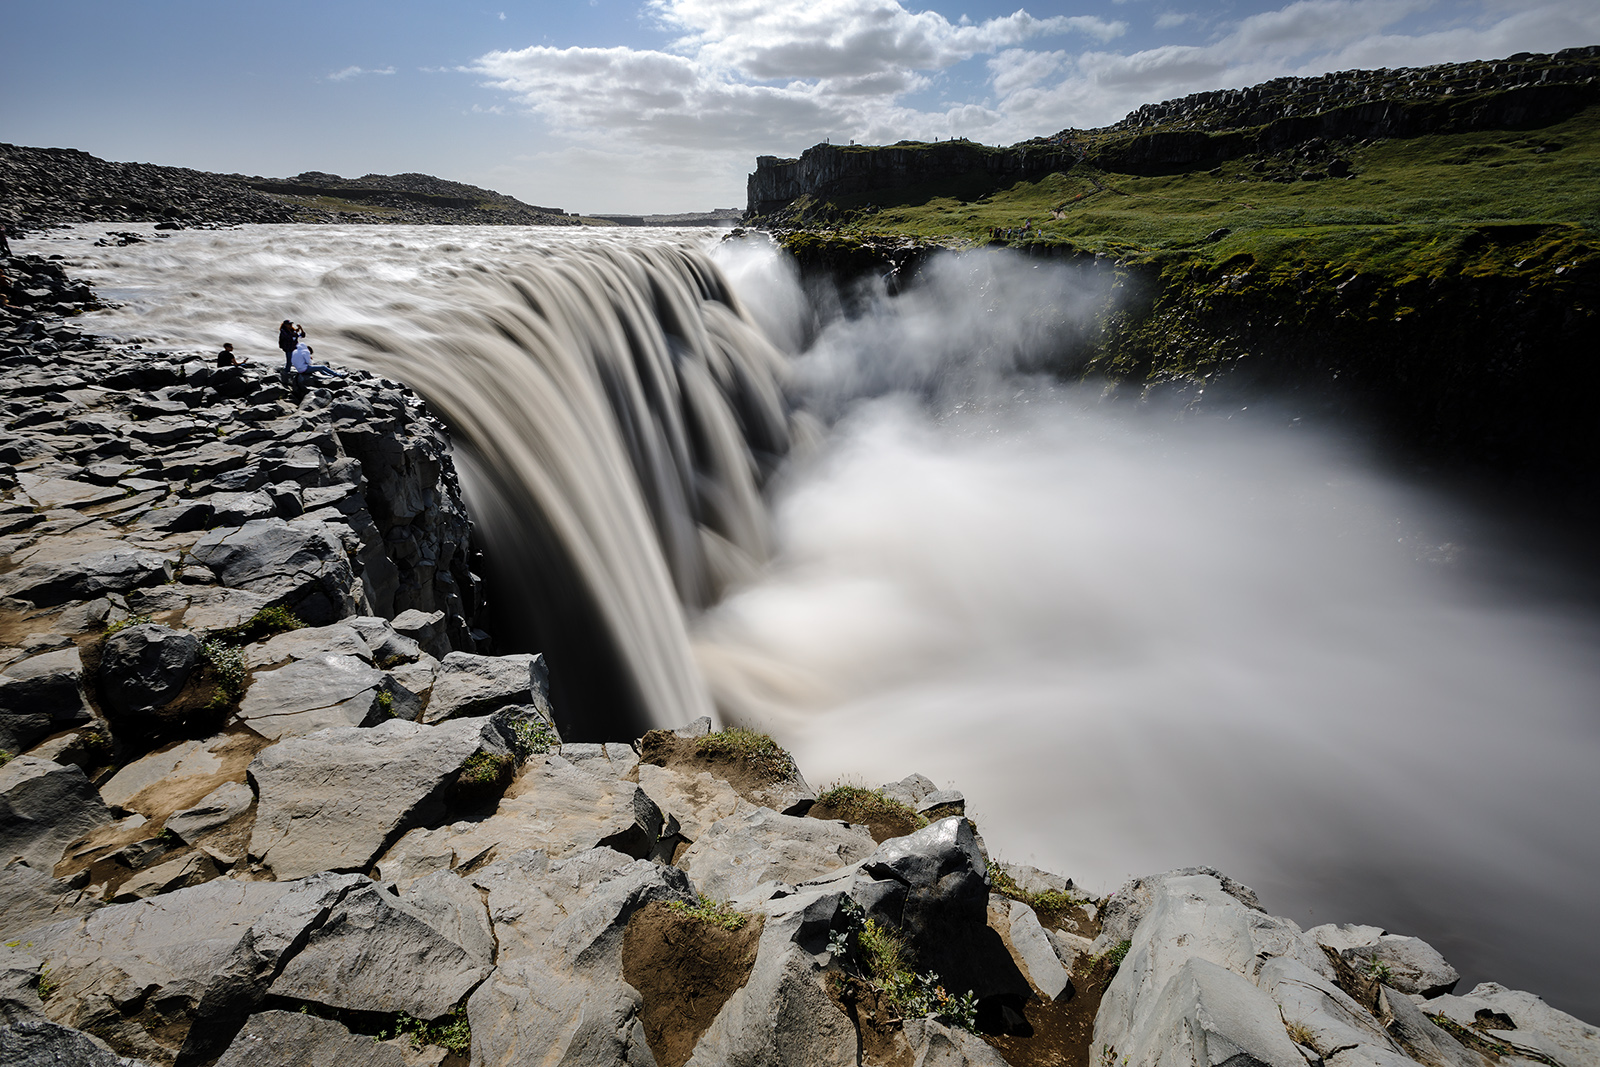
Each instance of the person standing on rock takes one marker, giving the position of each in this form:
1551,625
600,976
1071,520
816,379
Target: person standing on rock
289,335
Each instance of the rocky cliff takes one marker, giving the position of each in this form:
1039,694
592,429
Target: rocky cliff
260,805
1206,129
47,186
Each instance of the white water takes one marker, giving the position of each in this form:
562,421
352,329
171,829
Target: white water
1134,641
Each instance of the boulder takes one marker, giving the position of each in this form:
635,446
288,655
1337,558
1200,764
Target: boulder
44,807
466,684
181,872
48,583
388,647
739,852
426,628
41,1043
376,953
1331,1021
311,642
1203,1015
333,800
311,694
1422,1039
1535,1027
1413,965
296,1039
40,695
1034,952
143,667
935,1045
302,565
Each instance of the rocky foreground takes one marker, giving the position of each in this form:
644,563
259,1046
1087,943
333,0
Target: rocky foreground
264,802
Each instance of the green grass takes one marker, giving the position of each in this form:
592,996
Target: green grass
123,624
1049,901
713,912
6,757
858,804
754,748
1425,205
485,769
453,1036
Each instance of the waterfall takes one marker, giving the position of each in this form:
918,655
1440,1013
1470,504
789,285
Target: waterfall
617,411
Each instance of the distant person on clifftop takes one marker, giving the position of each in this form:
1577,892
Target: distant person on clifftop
5,242
226,358
289,335
300,361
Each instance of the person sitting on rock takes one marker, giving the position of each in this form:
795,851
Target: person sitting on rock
300,361
226,358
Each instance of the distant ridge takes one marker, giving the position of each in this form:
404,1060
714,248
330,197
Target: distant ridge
48,186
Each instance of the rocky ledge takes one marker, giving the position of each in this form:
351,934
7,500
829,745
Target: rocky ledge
268,805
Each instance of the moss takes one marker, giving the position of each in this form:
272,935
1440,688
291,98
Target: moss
6,757
385,704
123,624
485,769
1049,901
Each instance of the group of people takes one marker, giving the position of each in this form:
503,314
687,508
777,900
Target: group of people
297,365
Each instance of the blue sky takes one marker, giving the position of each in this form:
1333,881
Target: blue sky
662,105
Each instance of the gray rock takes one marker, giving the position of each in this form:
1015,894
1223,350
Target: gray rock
31,898
701,727
936,877
333,800
909,790
312,642
301,564
41,1043
1414,965
1203,1015
466,684
1124,909
388,647
426,628
40,695
1308,1000
377,953
1034,881
294,1039
758,845
935,1045
690,802
236,509
1035,954
416,677
118,570
943,802
311,694
219,808
454,908
181,872
44,807
19,987
1538,1028
1421,1038
143,667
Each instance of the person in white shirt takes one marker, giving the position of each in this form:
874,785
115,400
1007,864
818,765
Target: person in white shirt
300,363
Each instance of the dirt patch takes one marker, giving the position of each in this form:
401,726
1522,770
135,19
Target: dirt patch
685,969
880,1032
764,779
1058,1033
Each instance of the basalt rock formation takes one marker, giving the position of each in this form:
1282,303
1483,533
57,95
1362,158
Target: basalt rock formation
48,186
1206,129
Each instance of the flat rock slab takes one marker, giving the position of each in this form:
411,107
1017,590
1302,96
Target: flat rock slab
309,695
332,800
311,642
214,811
180,775
1414,966
466,684
377,953
1538,1027
691,801
296,1039
741,851
117,570
302,564
44,807
65,492
40,695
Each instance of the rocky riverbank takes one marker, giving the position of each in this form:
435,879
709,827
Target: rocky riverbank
265,802
51,186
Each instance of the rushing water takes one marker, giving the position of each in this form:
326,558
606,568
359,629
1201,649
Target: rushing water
1136,641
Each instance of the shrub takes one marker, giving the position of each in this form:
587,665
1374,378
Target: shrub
454,1036
225,662
882,954
484,769
530,737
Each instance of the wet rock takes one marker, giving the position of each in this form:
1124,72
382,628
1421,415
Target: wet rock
144,667
377,953
40,695
335,799
466,684
739,852
45,806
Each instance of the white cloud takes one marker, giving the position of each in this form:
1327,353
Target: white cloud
352,72
1172,19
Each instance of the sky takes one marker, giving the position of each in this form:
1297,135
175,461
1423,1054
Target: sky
599,106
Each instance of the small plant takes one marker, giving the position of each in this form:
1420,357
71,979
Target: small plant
1108,1057
6,757
226,664
1380,972
715,912
738,743
484,769
1112,959
123,624
47,985
169,837
531,737
1050,900
858,804
385,704
1299,1034
453,1036
881,952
